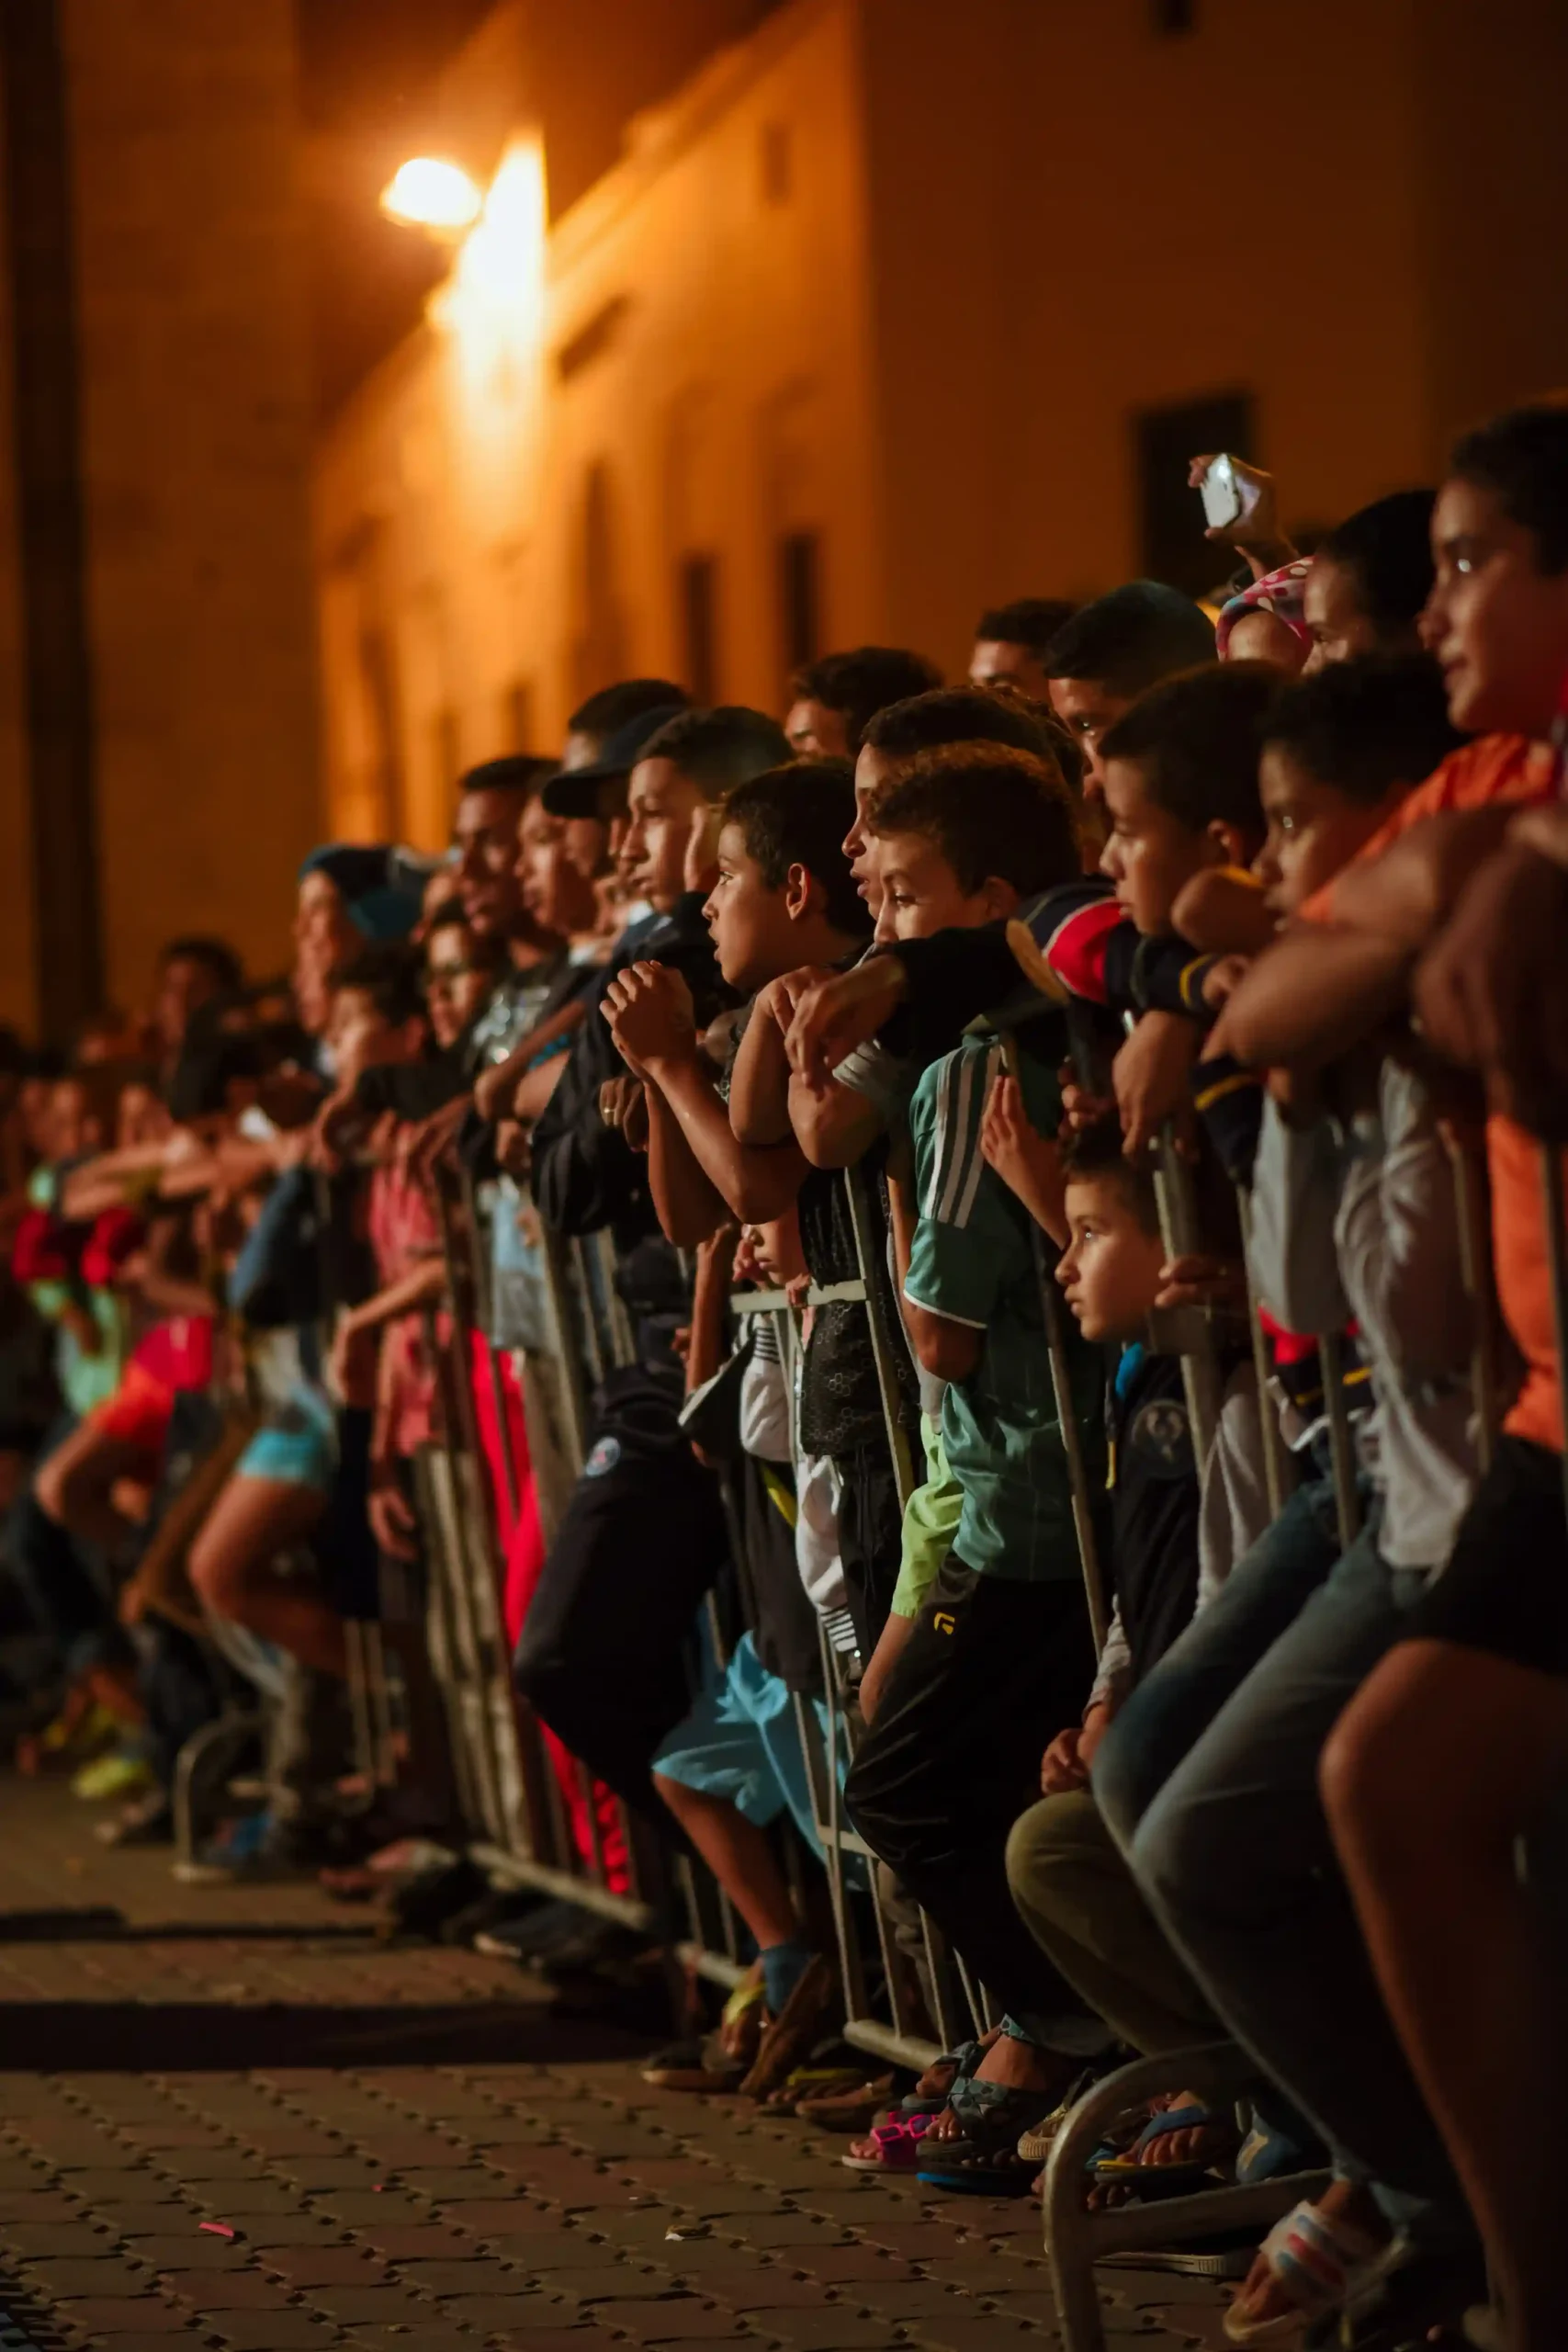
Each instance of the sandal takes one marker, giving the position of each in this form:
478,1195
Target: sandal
953,2066
853,2109
807,2083
717,2061
1320,2264
893,2146
791,2036
985,2161
1129,2168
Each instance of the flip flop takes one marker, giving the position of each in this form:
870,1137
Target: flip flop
853,2109
1320,2264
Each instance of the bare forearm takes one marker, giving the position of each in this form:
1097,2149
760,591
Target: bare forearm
421,1286
1313,996
833,1126
689,1208
759,1085
755,1182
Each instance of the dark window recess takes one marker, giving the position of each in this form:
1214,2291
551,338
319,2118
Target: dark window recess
778,163
448,747
1171,516
699,628
517,716
800,601
1174,15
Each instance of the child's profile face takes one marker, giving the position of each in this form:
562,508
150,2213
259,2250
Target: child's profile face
872,769
922,895
556,891
750,923
661,804
1149,854
1497,623
1109,1270
1313,829
456,986
1087,709
360,1037
1333,609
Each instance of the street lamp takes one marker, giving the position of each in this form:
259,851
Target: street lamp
431,193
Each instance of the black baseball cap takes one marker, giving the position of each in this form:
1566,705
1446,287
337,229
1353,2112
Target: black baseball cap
575,792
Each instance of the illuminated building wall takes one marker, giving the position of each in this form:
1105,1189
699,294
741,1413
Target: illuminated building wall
196,714
898,308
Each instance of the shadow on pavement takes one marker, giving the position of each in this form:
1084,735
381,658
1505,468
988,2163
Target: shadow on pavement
196,2037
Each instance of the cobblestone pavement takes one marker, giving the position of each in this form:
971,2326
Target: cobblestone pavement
237,2119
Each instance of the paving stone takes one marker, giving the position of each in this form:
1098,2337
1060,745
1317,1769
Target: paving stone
672,2319
147,2342
113,2188
444,2180
359,2209
470,2274
320,2176
41,2206
44,2241
757,2289
512,2214
851,2263
325,2266
140,2315
415,2241
109,2274
715,2258
233,2291
273,2331
786,2230
827,2329
972,2331
917,2241
139,2220
268,2230
191,2249
903,2298
385,2305
606,2281
555,2338
259,2196
374,2335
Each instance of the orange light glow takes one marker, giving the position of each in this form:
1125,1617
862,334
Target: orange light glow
427,192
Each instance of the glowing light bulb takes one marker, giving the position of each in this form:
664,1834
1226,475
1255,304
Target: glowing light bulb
427,192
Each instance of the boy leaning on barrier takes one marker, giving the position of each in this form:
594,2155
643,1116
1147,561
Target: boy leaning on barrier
998,1655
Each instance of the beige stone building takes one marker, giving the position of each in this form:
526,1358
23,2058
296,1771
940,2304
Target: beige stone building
159,724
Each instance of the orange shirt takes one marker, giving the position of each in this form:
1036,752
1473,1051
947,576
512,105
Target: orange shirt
1496,768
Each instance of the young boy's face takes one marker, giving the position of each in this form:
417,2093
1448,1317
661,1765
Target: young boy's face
1109,1270
1150,855
921,894
814,731
1497,623
555,890
360,1037
457,987
661,804
750,926
872,769
1087,709
1313,829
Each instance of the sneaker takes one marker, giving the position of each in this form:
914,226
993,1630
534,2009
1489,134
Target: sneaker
121,1773
258,1850
229,1855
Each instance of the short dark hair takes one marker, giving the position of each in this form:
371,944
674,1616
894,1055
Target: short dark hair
1367,725
1198,737
798,815
215,956
522,772
716,749
1097,1150
1028,620
989,810
1522,457
859,683
1131,639
613,708
955,715
1388,547
388,972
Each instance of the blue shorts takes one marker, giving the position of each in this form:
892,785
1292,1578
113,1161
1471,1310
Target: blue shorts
297,1443
741,1741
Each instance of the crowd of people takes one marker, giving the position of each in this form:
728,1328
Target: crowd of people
1135,1076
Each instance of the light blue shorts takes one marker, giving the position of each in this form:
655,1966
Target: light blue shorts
297,1443
741,1741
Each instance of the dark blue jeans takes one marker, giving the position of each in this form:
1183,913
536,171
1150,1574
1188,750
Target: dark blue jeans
66,1585
1229,1843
